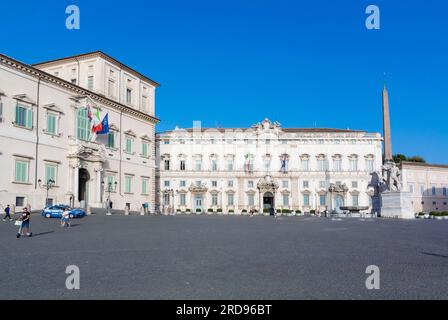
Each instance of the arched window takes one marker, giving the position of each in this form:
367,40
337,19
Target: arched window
353,160
82,125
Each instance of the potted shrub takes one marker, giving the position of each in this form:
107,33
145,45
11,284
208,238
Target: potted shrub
299,213
231,211
266,212
312,211
198,211
178,211
210,210
244,211
219,210
188,211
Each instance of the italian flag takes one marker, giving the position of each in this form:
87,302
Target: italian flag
96,122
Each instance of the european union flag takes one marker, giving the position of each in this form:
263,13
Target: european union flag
104,125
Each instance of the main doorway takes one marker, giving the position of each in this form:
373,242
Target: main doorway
83,187
268,200
198,202
338,203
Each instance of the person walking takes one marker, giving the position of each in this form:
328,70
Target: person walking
25,225
65,219
7,213
272,212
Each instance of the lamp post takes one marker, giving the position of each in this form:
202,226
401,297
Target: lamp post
49,185
110,188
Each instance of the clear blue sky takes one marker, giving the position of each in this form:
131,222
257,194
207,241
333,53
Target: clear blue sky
235,62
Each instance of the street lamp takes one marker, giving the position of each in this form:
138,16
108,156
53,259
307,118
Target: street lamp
49,185
109,190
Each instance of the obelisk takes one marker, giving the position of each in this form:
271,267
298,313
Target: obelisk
386,126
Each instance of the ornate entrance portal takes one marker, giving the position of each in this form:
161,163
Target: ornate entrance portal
267,187
83,186
268,200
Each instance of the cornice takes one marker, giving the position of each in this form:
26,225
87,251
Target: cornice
39,74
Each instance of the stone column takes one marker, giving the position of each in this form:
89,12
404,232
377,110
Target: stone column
75,169
98,186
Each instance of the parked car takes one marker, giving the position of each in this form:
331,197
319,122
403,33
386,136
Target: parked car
56,211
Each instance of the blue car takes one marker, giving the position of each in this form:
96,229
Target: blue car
56,212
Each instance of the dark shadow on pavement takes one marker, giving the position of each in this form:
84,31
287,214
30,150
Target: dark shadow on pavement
435,255
41,233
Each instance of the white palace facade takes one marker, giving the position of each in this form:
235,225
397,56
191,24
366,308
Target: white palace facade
45,137
236,170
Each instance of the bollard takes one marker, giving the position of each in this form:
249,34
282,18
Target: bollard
126,210
142,210
89,210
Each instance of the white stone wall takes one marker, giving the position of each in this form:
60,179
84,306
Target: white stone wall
20,143
428,186
219,144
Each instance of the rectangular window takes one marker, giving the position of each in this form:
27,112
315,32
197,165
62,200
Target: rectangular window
111,140
230,183
229,165
110,183
198,165
322,184
355,200
166,199
422,190
322,200
306,199
90,83
214,165
444,191
20,201
214,199
214,183
183,183
304,163
306,184
166,183
21,171
337,164
127,184
145,186
250,199
182,165
250,184
111,89
145,149
129,96
286,200
230,199
73,80
285,184
321,165
50,173
354,184
353,164
51,123
182,199
411,188
166,164
433,191
369,165
128,145
82,125
24,117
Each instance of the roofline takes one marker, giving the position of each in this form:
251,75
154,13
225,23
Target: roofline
103,55
63,83
421,164
285,130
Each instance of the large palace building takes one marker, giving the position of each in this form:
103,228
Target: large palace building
48,152
236,170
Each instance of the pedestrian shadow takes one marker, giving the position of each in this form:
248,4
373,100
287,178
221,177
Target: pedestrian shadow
42,233
435,255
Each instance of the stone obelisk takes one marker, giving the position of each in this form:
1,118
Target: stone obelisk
386,126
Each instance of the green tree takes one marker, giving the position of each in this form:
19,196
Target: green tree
399,158
416,159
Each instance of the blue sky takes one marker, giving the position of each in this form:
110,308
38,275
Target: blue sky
235,62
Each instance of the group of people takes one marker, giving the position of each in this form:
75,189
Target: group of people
23,222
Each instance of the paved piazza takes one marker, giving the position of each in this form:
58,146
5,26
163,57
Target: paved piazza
225,257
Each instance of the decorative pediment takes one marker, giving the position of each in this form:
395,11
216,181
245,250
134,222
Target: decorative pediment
336,188
130,133
146,138
198,188
53,107
113,127
88,151
24,98
267,183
